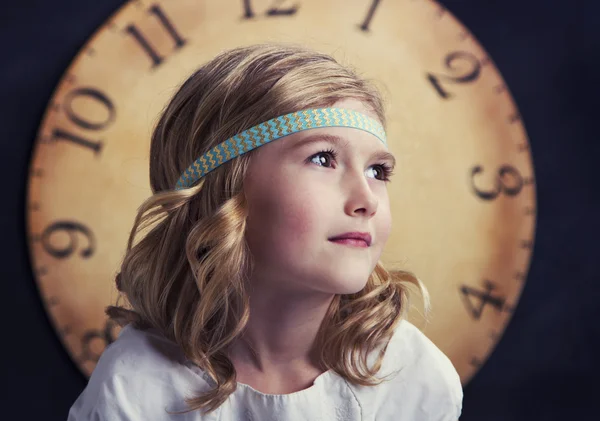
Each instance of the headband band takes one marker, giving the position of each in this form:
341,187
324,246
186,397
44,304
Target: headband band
274,129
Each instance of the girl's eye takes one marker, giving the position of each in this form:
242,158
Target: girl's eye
384,169
321,161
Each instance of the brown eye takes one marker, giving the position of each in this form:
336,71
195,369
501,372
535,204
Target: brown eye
385,172
329,153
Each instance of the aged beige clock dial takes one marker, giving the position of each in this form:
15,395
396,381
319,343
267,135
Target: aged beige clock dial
463,197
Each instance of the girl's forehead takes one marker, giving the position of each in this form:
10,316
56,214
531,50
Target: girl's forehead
342,137
356,105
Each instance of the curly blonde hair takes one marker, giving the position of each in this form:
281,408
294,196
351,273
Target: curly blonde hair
185,276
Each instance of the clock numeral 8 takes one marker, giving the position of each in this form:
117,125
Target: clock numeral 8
105,338
502,186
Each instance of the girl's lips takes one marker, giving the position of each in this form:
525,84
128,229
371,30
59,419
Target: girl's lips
351,242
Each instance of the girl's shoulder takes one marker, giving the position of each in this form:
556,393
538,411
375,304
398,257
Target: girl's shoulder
138,376
139,351
422,382
412,349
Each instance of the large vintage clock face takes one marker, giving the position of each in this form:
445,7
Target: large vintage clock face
463,197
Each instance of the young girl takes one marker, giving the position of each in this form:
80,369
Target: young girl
256,292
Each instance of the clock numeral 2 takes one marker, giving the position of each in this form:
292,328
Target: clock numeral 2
156,58
484,297
470,75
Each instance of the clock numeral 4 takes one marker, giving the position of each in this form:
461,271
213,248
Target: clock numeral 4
482,297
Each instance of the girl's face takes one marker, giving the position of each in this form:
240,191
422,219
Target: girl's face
301,194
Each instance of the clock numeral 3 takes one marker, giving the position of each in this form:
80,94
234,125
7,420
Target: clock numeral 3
485,296
156,58
71,229
466,76
510,187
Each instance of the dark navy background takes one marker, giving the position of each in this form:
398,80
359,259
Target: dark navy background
545,367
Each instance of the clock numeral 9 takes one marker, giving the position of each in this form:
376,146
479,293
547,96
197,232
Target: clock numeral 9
70,228
510,187
86,122
469,75
484,297
102,338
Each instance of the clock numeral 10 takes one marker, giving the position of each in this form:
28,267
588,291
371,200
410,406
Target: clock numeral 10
156,58
85,122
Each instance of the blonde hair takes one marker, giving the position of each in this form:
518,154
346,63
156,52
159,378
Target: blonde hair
185,276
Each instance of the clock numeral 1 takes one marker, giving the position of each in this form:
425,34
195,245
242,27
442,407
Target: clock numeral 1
60,134
365,25
145,44
484,297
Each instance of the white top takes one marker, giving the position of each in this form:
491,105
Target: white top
142,373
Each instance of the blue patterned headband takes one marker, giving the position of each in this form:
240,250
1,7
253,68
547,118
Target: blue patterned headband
274,129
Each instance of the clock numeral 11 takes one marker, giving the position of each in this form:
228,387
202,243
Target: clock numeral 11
156,58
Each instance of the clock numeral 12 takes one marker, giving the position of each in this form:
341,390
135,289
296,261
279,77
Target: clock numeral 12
145,44
470,75
272,11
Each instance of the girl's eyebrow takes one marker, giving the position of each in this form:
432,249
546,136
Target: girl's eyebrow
339,142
